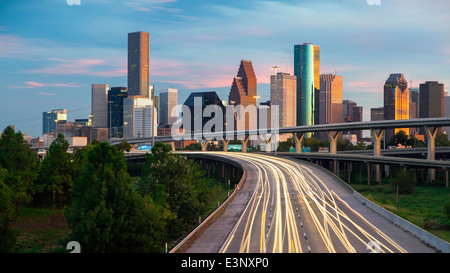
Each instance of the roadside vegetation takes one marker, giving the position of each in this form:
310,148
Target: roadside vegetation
91,197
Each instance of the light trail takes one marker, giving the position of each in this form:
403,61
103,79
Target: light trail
286,192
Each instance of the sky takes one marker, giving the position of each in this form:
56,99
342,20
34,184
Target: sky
51,52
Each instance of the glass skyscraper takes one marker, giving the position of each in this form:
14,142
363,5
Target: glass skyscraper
396,102
138,64
307,71
116,95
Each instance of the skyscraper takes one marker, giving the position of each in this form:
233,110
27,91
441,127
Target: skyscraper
330,99
283,92
352,113
197,102
99,105
138,64
138,117
50,119
396,102
307,71
168,99
243,90
116,95
431,101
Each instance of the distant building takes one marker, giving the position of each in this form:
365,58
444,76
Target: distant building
50,119
447,113
138,64
431,101
243,90
307,71
377,114
202,100
116,96
396,102
99,108
414,97
283,89
138,117
353,113
168,101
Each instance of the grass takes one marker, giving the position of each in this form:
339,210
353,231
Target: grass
424,208
40,230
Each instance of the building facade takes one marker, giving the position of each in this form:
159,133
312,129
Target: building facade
139,117
138,63
283,92
168,101
396,102
51,119
99,105
116,96
197,102
307,71
330,99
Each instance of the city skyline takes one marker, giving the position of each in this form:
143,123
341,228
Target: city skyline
49,62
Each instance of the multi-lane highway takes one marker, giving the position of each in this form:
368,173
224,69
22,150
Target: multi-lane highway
292,209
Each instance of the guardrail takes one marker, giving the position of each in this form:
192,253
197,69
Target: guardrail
224,204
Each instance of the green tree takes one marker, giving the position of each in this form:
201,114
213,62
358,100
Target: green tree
20,162
124,146
177,184
106,214
7,216
57,170
441,140
399,138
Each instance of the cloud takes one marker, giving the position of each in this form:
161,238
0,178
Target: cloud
32,84
45,94
92,67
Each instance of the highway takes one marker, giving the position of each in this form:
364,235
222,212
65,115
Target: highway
293,210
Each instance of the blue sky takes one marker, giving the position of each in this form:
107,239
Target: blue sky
51,52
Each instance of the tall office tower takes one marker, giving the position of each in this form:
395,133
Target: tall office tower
376,114
197,102
414,97
168,101
116,95
330,99
243,90
99,105
396,102
138,117
431,100
138,64
283,92
307,71
50,119
352,113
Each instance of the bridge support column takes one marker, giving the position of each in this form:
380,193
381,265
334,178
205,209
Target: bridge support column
333,136
369,173
225,144
298,138
431,132
172,145
377,135
269,144
446,177
204,144
244,143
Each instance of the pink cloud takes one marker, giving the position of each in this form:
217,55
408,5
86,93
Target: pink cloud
31,84
92,67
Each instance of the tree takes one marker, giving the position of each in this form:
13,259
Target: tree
20,162
7,216
399,138
106,214
124,146
177,184
441,140
57,170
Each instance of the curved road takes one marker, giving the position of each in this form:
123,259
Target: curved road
293,207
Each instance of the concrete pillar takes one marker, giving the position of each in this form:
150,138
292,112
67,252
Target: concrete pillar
431,132
268,144
377,135
369,173
349,165
225,144
446,177
244,143
204,144
298,138
171,144
333,136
